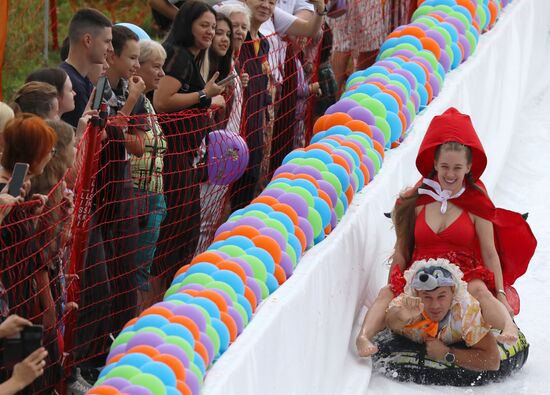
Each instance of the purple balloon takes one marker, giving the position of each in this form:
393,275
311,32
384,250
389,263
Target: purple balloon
306,227
195,287
353,184
117,350
329,189
403,52
370,166
253,285
425,62
445,61
275,235
192,382
438,37
333,219
343,105
229,225
117,382
192,312
274,192
407,115
286,264
176,351
286,168
386,64
421,25
250,221
378,135
362,114
297,202
434,82
397,90
457,23
227,157
438,12
375,78
207,343
237,318
145,338
466,45
242,263
309,170
136,390
408,76
224,295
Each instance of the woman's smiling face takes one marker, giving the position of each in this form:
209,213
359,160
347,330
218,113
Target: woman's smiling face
451,167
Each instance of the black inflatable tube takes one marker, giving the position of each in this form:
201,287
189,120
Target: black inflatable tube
404,360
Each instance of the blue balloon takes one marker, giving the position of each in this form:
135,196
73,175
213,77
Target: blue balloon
360,179
396,126
330,142
319,154
340,173
353,154
407,39
211,308
142,34
417,70
295,244
283,219
376,69
179,330
457,59
388,101
389,43
246,305
154,320
317,136
222,332
231,279
271,283
323,209
308,185
172,391
263,256
297,153
186,298
423,93
201,267
264,208
161,371
320,237
108,368
338,129
240,241
368,89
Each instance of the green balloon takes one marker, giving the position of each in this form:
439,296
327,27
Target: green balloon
355,80
195,369
426,21
356,179
472,40
198,278
256,213
430,57
264,289
303,193
279,184
292,254
257,266
410,107
384,126
172,290
242,312
421,11
273,223
313,162
223,287
233,218
366,141
214,337
445,8
375,160
445,33
151,382
401,86
460,16
123,371
375,106
181,343
122,338
152,329
450,53
314,219
380,75
333,180
233,251
482,17
339,209
358,97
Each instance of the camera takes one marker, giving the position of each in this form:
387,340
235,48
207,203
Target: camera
18,348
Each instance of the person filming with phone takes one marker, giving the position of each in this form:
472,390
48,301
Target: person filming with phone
17,330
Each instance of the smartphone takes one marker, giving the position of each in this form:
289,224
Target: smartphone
18,348
18,175
227,79
99,91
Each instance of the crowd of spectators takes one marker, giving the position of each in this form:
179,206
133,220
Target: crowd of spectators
262,69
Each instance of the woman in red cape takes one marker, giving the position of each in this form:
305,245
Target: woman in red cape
448,215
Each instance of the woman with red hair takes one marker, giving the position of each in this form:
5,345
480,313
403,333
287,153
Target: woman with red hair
448,215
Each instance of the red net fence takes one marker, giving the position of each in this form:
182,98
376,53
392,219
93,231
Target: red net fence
139,217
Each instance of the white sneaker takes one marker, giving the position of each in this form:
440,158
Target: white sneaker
79,386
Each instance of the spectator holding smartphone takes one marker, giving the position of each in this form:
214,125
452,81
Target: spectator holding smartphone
28,370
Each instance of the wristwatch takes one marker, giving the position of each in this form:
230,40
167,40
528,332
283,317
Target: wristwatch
450,356
204,100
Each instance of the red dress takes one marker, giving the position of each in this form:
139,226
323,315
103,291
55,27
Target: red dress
458,243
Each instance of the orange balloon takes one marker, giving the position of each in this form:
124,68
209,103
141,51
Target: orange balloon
493,10
222,236
394,34
183,388
268,244
116,358
431,45
214,297
359,126
269,200
173,363
188,323
414,31
438,17
468,5
403,121
131,322
251,296
342,162
144,349
475,24
192,292
318,146
207,256
279,274
378,84
230,324
378,147
103,390
337,118
366,174
299,233
349,194
430,91
309,178
233,267
163,311
290,176
245,230
395,96
319,125
328,229
461,47
288,210
323,195
395,144
353,147
201,350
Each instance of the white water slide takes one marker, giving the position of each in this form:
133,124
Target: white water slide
301,340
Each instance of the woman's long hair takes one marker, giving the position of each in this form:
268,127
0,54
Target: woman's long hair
404,212
181,34
223,64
